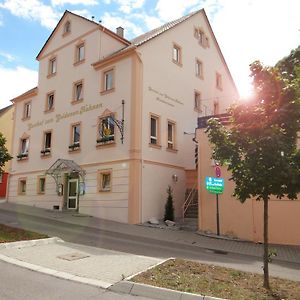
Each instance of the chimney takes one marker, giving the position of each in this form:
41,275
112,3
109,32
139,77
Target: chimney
120,31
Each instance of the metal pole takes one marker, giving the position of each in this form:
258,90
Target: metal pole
218,220
123,104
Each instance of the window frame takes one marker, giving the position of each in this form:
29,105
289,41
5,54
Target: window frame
52,66
39,190
197,101
75,146
173,141
46,151
27,113
47,108
156,137
100,187
21,184
76,84
23,155
199,68
78,59
219,81
104,88
177,59
67,28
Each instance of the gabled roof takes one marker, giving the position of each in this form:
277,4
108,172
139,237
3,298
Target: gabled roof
29,93
111,33
5,109
157,31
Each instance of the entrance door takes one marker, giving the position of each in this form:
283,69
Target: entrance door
72,194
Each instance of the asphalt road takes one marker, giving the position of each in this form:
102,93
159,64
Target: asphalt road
145,246
18,283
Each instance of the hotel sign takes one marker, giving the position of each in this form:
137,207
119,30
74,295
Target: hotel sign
214,185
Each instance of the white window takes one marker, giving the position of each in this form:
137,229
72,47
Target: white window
108,80
106,130
24,146
78,91
22,186
67,27
80,53
154,130
177,54
27,110
50,102
52,66
41,184
46,149
171,135
76,134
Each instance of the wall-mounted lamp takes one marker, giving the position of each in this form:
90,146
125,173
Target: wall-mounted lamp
175,177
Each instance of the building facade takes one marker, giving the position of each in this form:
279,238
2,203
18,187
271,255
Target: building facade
6,128
111,123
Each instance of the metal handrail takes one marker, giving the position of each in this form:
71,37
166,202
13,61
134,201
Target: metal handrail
189,199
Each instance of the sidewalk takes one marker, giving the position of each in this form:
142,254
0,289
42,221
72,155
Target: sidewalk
284,253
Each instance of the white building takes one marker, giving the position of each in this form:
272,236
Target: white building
72,121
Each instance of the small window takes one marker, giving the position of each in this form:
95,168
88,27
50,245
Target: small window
106,130
46,149
154,130
52,66
79,53
67,27
50,102
22,186
197,101
108,78
24,146
27,110
171,135
199,69
219,81
177,55
78,91
75,138
41,184
216,108
105,180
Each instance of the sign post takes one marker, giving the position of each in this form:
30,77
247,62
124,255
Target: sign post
215,186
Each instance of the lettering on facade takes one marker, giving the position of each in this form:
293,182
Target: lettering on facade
83,109
165,98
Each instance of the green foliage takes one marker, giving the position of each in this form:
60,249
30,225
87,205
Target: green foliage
169,208
4,155
260,145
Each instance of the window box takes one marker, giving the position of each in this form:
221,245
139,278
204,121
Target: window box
46,152
106,139
74,146
21,156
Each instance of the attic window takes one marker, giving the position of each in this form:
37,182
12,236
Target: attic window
67,27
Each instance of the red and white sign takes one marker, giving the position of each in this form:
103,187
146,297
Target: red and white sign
218,171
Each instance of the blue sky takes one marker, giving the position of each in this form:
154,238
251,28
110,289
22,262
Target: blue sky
245,29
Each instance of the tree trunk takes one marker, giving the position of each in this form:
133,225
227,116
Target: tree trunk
266,245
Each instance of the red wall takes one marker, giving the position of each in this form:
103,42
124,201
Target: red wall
3,185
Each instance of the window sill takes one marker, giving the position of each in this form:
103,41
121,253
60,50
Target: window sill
47,111
106,144
41,193
21,194
104,191
219,88
25,118
46,155
76,150
107,91
177,63
23,159
74,102
66,33
156,146
77,63
51,75
197,110
172,150
200,77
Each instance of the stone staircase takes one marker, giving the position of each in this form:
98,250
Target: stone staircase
190,218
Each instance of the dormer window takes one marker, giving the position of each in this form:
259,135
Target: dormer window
67,27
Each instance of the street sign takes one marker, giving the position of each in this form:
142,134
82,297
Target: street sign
214,185
218,171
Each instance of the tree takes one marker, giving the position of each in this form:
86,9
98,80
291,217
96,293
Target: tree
169,208
4,155
260,144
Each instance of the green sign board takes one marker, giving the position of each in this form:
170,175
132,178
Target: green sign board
214,185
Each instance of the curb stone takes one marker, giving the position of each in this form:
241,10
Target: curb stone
30,243
153,292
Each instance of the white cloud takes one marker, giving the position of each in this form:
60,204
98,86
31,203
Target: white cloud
112,22
83,12
177,9
7,56
251,30
73,2
32,10
127,6
15,82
